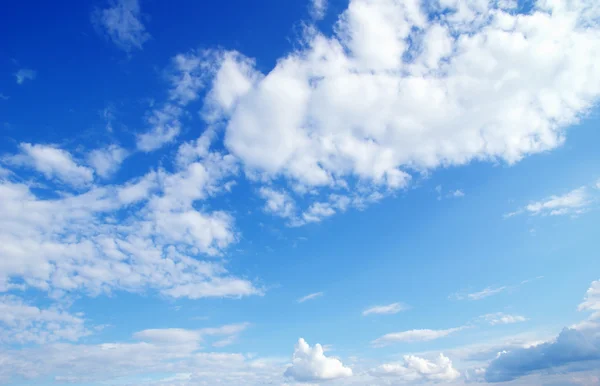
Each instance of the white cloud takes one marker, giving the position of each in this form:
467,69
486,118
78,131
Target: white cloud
592,298
389,309
318,8
416,369
502,318
73,242
23,323
421,335
107,161
505,85
310,364
121,23
571,203
489,291
278,202
310,297
53,163
25,74
457,193
165,126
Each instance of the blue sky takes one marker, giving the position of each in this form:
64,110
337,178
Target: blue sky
299,192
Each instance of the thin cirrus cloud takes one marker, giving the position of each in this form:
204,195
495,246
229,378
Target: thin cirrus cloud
388,309
502,318
490,291
25,74
575,202
310,297
411,336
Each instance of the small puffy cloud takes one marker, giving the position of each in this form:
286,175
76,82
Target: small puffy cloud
311,365
121,23
310,297
571,348
592,298
502,318
277,202
571,203
420,335
25,74
107,161
389,309
54,163
416,369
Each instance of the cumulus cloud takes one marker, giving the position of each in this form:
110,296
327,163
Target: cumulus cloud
389,309
311,364
277,202
416,369
53,163
571,348
310,297
420,335
121,23
24,74
571,203
107,161
504,85
502,318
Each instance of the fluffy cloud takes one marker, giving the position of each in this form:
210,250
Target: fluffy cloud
421,335
310,364
502,318
121,23
277,202
24,74
416,369
504,85
393,308
23,323
54,163
107,161
574,202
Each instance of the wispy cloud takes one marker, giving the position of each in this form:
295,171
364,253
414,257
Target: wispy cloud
310,297
25,74
389,309
574,202
420,335
488,291
318,9
502,318
121,23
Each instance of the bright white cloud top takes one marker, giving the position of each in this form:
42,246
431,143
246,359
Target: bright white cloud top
310,364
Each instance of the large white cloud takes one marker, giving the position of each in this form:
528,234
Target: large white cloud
310,364
396,90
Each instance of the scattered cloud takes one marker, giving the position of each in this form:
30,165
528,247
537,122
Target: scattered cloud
277,202
25,74
416,369
121,23
572,203
389,309
310,297
53,163
4,97
107,161
502,318
310,364
23,323
422,335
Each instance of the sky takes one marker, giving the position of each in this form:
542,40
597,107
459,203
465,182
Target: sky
301,192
